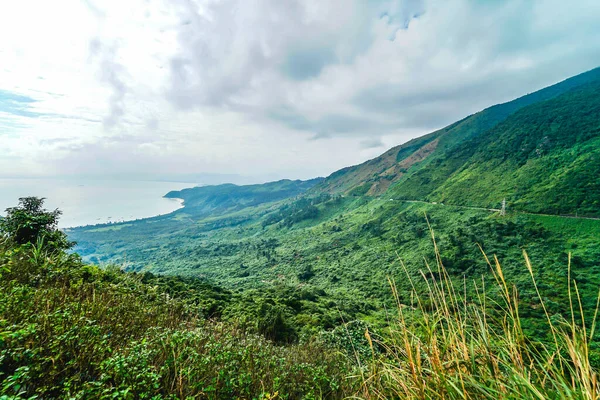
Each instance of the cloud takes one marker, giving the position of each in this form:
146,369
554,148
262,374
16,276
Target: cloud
329,125
305,63
110,73
348,68
264,87
241,53
371,143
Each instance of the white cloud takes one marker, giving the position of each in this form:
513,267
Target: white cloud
263,87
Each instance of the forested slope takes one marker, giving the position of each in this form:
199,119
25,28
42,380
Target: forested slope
400,163
70,330
544,158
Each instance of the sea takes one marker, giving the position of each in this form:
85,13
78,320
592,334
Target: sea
90,202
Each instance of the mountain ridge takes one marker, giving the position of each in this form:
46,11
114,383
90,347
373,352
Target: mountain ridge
375,176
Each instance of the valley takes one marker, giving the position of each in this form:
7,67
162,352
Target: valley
343,237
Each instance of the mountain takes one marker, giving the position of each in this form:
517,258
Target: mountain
327,247
544,158
427,162
229,197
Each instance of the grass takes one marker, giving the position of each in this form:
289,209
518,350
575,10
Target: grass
448,345
109,228
584,230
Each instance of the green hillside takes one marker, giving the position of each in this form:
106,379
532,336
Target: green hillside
229,197
541,155
401,162
544,158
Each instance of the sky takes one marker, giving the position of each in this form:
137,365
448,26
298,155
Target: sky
257,90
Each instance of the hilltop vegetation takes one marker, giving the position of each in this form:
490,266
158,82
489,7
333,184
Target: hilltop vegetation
213,200
71,330
544,158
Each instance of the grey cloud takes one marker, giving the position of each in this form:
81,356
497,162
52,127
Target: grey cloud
431,108
431,105
340,124
371,143
307,63
110,72
152,124
244,54
258,50
350,68
290,118
331,125
236,49
219,56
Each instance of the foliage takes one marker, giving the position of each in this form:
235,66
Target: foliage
463,347
542,159
228,197
70,330
332,269
29,223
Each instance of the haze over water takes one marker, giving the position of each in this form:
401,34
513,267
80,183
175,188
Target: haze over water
88,202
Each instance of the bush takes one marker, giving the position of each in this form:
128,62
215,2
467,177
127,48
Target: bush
30,223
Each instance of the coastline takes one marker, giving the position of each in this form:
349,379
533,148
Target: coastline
103,221
96,202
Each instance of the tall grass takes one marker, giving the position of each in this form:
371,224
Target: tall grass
448,345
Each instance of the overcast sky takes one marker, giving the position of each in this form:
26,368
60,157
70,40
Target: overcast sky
264,89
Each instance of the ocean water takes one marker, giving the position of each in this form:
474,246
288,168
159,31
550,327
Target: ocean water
89,202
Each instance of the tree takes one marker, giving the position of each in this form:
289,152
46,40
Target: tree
273,324
306,272
29,222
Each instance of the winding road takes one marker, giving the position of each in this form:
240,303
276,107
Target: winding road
495,209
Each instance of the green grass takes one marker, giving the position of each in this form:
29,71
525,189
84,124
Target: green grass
116,227
446,344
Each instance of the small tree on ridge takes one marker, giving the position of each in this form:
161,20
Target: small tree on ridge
29,222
